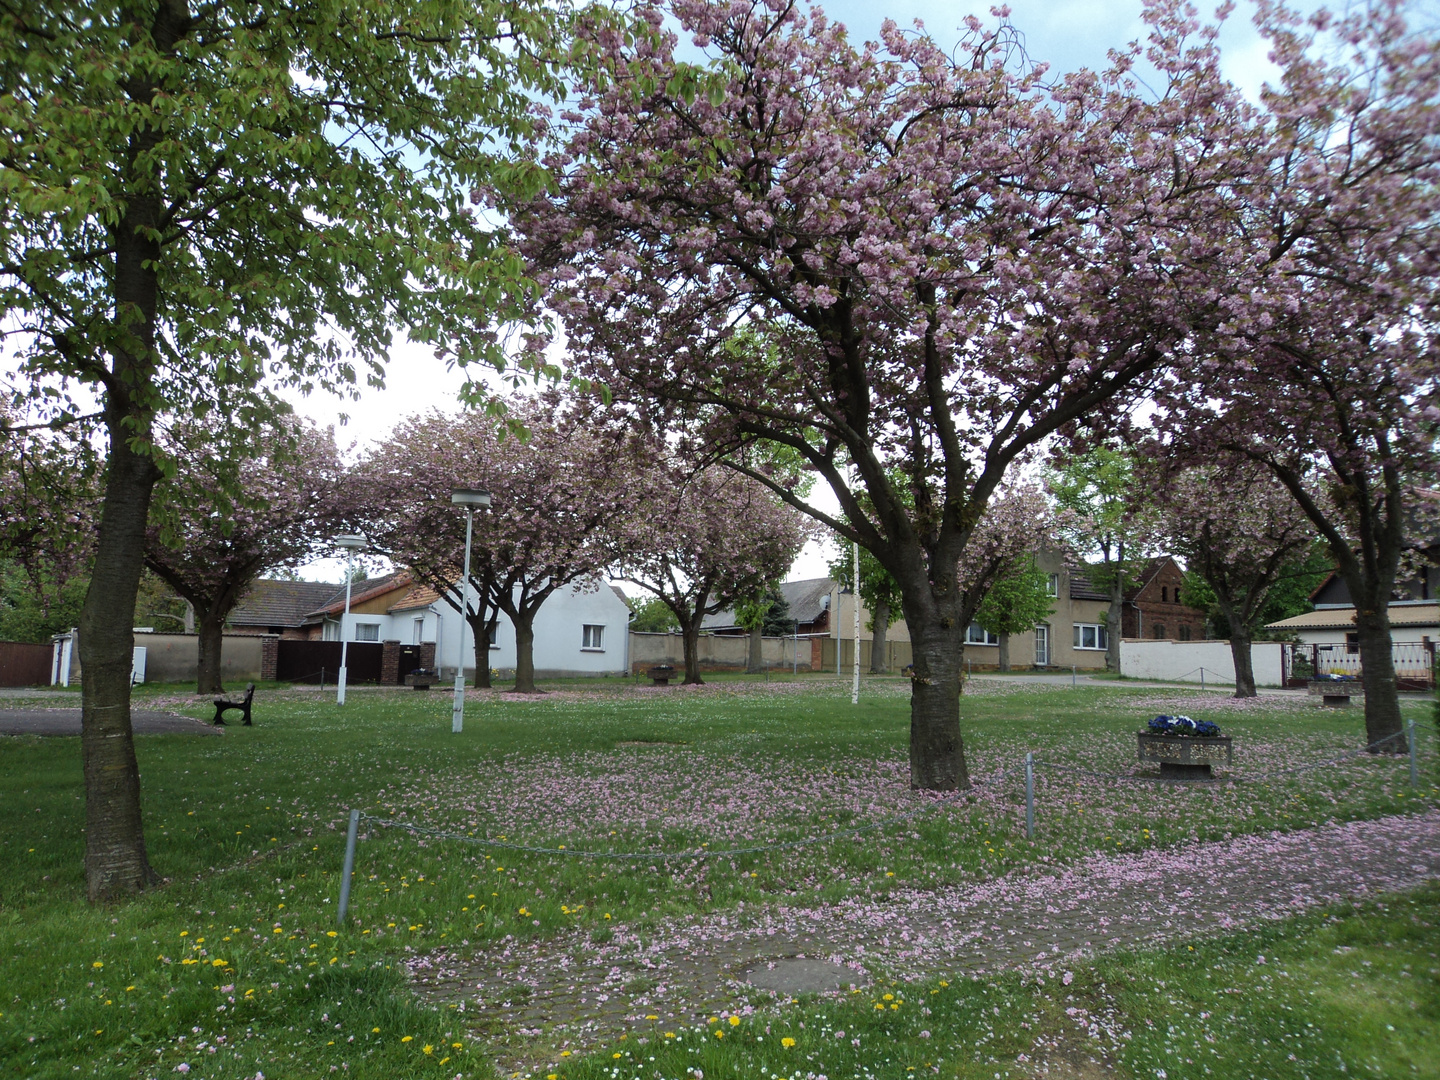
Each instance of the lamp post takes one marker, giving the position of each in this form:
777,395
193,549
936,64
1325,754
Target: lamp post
351,542
469,498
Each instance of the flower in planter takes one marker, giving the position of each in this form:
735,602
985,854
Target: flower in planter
1183,725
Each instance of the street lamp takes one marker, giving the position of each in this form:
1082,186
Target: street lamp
469,498
351,542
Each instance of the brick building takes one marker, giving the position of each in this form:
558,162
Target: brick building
1154,606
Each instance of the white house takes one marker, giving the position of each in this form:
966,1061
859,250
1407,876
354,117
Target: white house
578,631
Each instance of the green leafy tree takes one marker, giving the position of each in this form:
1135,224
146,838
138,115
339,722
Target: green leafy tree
653,616
1102,508
202,197
765,616
1014,604
881,594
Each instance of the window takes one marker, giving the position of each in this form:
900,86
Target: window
418,633
1090,636
591,637
1352,643
367,631
1159,631
1184,633
1052,585
978,635
493,635
1164,594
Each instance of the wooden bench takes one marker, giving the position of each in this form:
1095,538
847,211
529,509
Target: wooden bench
222,705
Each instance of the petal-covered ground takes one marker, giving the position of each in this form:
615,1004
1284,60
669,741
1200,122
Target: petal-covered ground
680,969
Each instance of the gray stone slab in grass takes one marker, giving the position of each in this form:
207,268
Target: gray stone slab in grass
67,722
797,975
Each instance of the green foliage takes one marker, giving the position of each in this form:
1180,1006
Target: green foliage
877,587
653,616
1289,596
1017,602
771,613
1103,498
32,609
266,189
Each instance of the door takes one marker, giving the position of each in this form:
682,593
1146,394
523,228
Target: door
1042,646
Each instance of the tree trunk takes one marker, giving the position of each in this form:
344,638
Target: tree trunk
1377,670
1113,623
116,863
480,628
937,755
879,664
1004,651
755,663
524,652
1244,667
690,635
211,643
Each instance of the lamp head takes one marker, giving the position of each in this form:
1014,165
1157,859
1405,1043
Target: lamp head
351,541
470,497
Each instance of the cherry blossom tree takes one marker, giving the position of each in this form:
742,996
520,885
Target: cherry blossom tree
561,507
954,255
1242,533
1326,371
212,535
705,541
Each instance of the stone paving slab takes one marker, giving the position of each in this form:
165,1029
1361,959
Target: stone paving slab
684,969
67,722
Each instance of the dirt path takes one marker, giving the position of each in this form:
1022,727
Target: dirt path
684,969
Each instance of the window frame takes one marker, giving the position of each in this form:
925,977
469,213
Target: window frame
1101,636
372,627
1052,585
986,637
586,637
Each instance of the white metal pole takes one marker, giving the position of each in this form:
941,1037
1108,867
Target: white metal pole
344,641
457,712
855,684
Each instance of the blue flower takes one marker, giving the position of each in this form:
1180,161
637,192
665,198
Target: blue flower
1183,725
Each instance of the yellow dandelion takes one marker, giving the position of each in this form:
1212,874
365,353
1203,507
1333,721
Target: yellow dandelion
408,1038
428,1049
787,1042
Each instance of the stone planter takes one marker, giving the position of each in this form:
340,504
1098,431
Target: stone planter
1185,756
1335,692
661,674
422,679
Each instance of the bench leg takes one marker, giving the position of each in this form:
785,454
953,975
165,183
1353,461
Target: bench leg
219,720
247,715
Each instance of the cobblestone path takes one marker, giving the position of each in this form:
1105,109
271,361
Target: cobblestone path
683,969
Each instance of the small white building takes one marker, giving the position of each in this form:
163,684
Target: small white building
578,631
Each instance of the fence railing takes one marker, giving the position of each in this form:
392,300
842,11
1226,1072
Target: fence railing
1414,663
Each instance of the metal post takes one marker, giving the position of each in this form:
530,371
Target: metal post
1202,678
457,710
795,666
1073,682
344,641
1414,771
855,685
349,865
1030,795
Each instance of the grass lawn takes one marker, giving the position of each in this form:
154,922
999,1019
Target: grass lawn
237,965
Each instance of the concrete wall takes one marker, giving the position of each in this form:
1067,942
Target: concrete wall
176,658
1179,661
717,652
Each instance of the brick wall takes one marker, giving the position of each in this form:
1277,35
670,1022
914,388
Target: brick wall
269,656
390,663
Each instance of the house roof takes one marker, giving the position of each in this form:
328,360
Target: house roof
623,598
807,599
361,592
1081,589
1344,618
420,596
281,603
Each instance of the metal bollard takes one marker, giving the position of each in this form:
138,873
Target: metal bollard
1202,678
1073,683
349,865
1030,795
1414,771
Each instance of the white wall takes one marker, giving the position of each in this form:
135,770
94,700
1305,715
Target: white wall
1180,661
558,634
